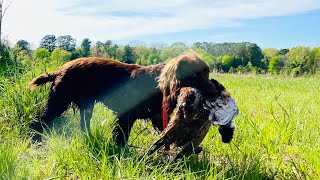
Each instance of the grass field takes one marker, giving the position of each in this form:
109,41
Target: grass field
277,137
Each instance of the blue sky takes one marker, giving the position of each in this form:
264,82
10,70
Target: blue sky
272,23
278,32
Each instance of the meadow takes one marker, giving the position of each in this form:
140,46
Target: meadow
277,135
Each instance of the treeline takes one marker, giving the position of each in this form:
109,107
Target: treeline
244,57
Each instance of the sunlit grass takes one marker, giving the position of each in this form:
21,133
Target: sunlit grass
277,126
277,137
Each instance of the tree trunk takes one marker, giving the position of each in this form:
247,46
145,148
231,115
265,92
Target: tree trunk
0,25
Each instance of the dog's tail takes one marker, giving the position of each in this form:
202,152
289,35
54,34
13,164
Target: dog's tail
42,79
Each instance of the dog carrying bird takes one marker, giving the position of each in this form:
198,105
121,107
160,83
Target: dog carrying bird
131,91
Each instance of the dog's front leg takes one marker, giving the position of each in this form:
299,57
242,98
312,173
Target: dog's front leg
122,130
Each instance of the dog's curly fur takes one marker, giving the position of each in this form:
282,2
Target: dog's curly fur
188,70
131,91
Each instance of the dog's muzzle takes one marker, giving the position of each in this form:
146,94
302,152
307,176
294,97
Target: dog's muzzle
227,132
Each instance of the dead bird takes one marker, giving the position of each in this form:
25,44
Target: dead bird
193,117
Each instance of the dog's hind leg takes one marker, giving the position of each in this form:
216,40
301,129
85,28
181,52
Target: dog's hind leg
86,114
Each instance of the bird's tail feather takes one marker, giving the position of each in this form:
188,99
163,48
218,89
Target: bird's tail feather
156,146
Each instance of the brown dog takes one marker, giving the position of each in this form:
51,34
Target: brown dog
131,91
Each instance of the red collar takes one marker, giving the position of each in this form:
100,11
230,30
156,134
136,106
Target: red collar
165,118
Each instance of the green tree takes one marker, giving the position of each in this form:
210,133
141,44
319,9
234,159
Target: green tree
96,51
106,50
108,43
21,51
173,51
60,56
244,51
297,58
85,47
128,56
119,53
298,55
112,51
154,58
283,51
208,58
66,43
255,55
142,53
18,54
99,44
270,52
77,53
48,42
230,61
41,54
197,45
314,60
5,58
24,45
249,68
276,64
226,62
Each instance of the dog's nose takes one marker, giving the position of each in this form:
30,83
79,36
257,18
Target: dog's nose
226,132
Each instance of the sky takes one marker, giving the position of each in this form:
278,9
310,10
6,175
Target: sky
269,23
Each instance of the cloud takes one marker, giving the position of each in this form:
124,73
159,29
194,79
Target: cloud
124,19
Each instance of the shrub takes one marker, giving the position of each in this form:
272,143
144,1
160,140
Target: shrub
275,64
41,54
60,56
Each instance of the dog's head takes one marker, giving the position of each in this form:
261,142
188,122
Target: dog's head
188,70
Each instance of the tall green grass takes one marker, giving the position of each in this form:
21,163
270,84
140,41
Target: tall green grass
277,136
